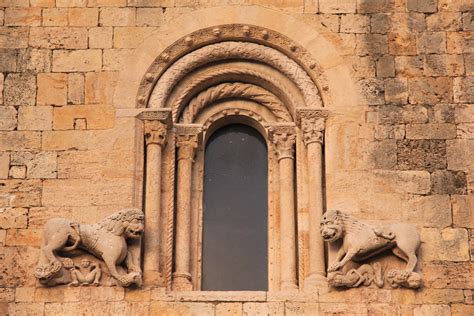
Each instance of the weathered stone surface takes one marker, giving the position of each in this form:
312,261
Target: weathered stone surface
20,193
430,90
75,91
17,172
15,140
35,118
8,118
354,23
426,6
469,64
99,87
373,91
96,116
170,308
121,16
130,37
429,211
431,131
371,44
35,60
39,165
446,244
464,113
77,60
55,17
444,21
439,310
396,91
13,37
417,182
448,182
150,16
465,130
463,212
431,43
442,113
8,60
83,16
409,66
22,16
462,309
421,154
460,42
114,59
389,131
100,37
386,66
58,38
453,275
233,309
20,89
444,65
457,151
52,89
1,88
13,217
4,164
271,308
468,21
23,237
65,140
402,43
464,89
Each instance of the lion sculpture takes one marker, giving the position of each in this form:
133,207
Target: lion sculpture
362,240
114,240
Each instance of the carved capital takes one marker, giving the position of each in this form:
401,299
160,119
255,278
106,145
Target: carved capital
312,124
155,133
187,139
284,138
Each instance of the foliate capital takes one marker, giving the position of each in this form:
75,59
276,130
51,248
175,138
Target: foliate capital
312,124
187,139
155,133
284,138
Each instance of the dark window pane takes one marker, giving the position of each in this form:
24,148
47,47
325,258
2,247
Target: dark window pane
235,247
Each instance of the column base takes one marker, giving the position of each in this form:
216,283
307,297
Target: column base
182,282
315,282
288,286
152,278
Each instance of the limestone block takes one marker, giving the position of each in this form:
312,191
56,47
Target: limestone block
38,216
402,43
372,90
7,295
1,88
99,87
431,131
409,66
343,309
58,37
468,21
378,155
52,89
337,6
441,296
386,66
15,217
344,42
421,154
453,275
426,6
130,37
17,172
444,21
83,16
114,59
77,60
430,90
96,116
35,118
42,3
3,234
371,44
463,89
438,310
458,152
362,67
465,130
20,193
71,3
107,3
416,182
454,6
16,140
469,64
66,140
23,237
173,308
122,16
355,23
448,182
460,42
75,91
376,6
4,164
326,22
442,113
39,165
8,119
35,60
390,131
271,308
2,17
8,62
19,89
55,17
231,309
24,294
462,309
429,211
396,90
218,296
379,23
449,244
138,295
301,308
431,43
463,212
13,37
444,65
79,164
311,6
22,16
100,37
407,22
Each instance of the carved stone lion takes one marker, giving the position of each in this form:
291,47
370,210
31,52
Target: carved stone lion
114,240
362,240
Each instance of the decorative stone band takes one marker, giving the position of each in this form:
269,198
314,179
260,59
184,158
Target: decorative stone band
187,139
284,138
312,124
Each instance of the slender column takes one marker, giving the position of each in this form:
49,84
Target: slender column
155,124
284,139
186,141
312,125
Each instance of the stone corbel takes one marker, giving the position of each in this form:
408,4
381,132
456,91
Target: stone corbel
312,125
188,137
156,124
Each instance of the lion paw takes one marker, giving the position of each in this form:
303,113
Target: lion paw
404,275
334,267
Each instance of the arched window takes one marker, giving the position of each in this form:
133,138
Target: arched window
235,247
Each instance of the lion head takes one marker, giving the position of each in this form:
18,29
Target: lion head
332,227
128,222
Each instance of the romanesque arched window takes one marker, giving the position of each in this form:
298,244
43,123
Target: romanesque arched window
232,74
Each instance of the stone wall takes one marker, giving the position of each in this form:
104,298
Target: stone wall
403,151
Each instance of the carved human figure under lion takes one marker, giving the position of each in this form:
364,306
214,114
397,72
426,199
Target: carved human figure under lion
362,240
115,240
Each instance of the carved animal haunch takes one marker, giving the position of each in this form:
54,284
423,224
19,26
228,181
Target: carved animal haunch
114,240
362,240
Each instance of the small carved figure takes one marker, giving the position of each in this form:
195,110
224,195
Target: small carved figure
365,274
114,240
362,240
399,278
86,273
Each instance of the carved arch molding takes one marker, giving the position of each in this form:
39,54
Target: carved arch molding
216,76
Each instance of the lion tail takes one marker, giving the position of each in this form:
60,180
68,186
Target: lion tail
75,236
